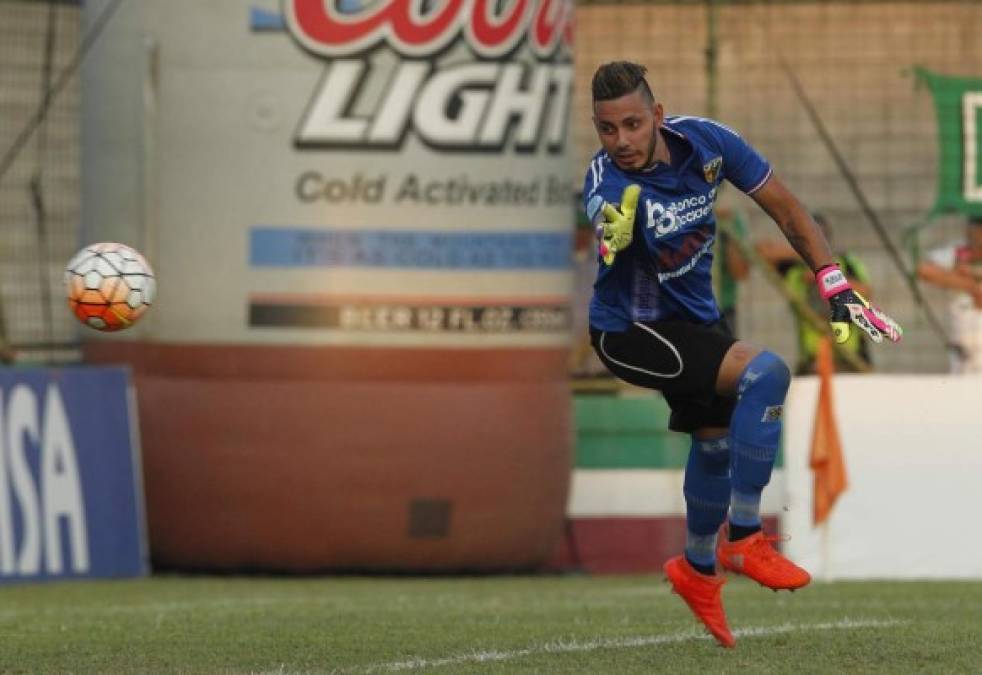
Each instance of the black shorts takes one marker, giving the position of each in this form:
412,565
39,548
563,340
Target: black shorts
679,359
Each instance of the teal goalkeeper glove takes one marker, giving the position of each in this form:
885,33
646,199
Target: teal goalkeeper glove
849,307
617,228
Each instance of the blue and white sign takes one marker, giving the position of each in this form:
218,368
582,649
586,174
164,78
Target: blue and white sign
307,247
71,497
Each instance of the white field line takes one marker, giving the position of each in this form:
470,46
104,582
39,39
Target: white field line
146,608
219,603
567,646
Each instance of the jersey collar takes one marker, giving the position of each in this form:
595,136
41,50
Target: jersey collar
677,141
681,142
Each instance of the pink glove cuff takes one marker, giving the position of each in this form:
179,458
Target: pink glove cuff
831,281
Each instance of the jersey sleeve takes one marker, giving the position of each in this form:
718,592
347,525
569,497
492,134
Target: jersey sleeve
592,200
743,166
594,179
601,185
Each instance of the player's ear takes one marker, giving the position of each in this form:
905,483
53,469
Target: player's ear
656,107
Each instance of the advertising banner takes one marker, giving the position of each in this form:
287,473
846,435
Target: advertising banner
71,502
389,173
958,102
361,216
894,445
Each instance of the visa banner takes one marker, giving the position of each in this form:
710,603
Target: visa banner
71,496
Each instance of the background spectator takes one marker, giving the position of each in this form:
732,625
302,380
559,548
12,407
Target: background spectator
958,267
800,283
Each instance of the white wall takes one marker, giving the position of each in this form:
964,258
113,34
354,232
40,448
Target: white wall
913,449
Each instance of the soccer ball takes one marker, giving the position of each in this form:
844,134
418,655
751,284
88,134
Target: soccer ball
109,286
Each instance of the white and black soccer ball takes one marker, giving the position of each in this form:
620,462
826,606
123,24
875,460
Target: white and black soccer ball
109,286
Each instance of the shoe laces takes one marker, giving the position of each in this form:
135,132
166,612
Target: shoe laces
765,546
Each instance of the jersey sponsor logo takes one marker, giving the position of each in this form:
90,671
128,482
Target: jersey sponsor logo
710,170
482,100
689,264
665,220
691,243
660,219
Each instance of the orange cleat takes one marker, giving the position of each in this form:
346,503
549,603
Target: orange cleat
756,557
702,594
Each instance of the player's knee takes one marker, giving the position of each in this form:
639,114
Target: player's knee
756,424
766,376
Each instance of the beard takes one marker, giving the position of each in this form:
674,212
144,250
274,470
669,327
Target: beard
650,158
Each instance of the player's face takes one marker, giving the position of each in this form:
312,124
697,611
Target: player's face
628,129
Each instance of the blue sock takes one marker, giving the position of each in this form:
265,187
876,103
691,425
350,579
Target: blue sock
756,432
707,496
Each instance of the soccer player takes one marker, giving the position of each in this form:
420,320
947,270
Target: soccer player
655,323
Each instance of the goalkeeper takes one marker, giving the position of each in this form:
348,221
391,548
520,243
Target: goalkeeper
655,323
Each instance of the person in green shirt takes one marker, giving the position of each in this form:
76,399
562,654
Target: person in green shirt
729,265
800,282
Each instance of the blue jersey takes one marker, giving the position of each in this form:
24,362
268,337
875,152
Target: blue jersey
666,271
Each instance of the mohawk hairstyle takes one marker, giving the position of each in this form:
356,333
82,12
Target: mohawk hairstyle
620,78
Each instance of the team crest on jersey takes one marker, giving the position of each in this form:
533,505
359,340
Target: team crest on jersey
710,170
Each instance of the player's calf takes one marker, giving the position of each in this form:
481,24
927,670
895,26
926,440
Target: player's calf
707,498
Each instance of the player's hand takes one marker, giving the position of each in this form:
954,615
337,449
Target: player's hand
617,228
849,307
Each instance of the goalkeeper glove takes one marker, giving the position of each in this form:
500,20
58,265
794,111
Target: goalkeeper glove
617,228
849,307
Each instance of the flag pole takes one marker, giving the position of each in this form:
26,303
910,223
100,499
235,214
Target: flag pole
826,555
826,459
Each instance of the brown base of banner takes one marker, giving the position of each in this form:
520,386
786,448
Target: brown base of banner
448,464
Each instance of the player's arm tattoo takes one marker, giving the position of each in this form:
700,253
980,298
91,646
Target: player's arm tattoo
800,242
795,223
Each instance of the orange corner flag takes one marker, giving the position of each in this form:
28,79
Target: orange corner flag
826,459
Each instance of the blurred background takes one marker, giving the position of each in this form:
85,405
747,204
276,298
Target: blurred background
98,101
855,60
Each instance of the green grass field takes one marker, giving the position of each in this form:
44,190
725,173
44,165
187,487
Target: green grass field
480,625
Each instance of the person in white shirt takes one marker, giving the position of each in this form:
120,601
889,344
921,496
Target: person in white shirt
959,268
